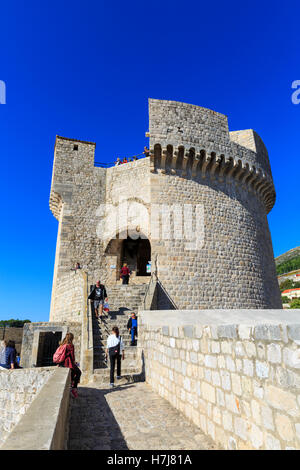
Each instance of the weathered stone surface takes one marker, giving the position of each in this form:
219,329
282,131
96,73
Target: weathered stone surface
244,393
18,388
130,417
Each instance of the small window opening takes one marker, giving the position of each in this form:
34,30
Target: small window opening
75,147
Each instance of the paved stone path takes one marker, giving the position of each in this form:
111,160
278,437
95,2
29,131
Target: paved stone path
130,417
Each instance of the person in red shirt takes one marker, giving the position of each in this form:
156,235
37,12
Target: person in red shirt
125,273
69,361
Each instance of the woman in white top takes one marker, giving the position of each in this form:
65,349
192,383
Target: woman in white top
115,350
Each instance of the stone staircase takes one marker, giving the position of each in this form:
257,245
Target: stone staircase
122,299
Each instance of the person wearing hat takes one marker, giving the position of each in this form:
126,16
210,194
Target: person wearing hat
98,295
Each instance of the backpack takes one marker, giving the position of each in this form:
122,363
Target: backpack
60,354
115,350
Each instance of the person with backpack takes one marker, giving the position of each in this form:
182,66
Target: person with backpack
132,327
115,351
125,273
98,295
65,357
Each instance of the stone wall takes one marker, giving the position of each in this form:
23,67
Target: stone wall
77,190
13,334
67,302
124,195
18,388
35,426
235,266
234,373
30,345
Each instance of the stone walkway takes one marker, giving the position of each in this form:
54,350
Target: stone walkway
130,417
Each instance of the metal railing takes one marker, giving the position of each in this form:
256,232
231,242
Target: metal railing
158,282
150,283
110,164
167,295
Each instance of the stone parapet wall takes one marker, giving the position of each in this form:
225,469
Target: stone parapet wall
234,373
13,334
40,400
18,388
68,298
175,123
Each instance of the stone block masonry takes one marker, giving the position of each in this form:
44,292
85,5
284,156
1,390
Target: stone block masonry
31,354
42,422
234,373
18,388
13,334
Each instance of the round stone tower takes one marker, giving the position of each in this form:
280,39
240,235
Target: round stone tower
220,184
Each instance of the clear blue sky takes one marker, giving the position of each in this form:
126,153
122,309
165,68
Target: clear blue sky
85,69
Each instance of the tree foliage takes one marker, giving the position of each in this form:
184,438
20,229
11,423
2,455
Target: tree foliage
289,284
13,323
289,265
295,303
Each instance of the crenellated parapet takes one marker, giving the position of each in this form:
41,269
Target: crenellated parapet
195,143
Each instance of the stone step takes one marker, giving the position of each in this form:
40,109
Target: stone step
129,375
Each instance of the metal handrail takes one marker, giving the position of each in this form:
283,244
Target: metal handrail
108,165
165,291
163,288
148,287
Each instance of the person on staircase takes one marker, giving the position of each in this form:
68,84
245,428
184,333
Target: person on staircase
69,361
115,351
125,273
98,295
132,327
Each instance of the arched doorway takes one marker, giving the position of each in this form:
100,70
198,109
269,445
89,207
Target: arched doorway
137,255
135,252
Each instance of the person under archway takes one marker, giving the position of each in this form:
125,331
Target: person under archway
125,274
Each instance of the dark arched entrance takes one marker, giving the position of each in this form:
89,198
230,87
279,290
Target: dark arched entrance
137,255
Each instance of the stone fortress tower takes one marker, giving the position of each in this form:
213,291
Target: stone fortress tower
197,169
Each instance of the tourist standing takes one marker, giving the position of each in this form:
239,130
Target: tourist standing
115,351
125,273
98,295
69,361
10,356
132,327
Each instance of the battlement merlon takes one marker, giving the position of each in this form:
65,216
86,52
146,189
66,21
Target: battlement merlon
69,155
